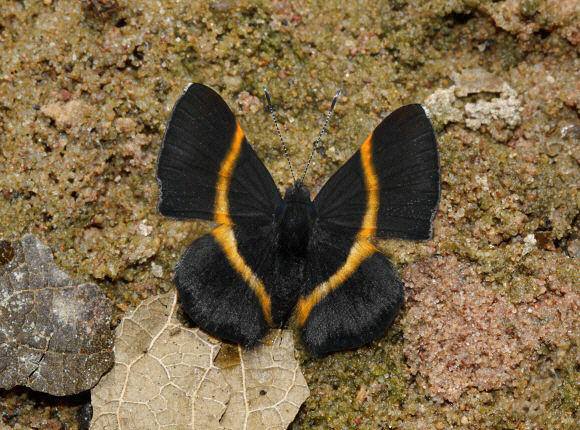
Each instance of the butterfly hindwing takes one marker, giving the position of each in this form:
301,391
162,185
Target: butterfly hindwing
399,163
351,296
204,152
216,297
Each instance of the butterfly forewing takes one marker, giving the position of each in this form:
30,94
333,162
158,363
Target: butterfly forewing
203,151
404,159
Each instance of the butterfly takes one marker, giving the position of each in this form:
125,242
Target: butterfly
270,255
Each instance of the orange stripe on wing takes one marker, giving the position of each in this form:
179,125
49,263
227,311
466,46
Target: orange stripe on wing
359,251
224,234
361,248
372,187
221,213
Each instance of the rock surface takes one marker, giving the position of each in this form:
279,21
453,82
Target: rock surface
54,332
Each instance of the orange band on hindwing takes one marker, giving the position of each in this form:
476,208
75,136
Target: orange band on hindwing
224,234
361,249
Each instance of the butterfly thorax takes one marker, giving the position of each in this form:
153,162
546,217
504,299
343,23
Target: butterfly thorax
293,218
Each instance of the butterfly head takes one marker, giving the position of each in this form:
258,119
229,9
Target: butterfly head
297,193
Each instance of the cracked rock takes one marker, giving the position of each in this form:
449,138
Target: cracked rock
55,334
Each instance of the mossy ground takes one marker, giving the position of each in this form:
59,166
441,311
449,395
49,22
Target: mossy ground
86,88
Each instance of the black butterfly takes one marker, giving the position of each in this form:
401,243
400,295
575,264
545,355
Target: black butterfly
268,254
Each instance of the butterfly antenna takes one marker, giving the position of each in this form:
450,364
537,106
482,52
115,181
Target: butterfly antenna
321,131
278,130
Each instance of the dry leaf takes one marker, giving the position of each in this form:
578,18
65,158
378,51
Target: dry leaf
55,334
266,384
170,376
